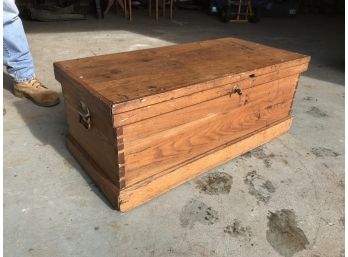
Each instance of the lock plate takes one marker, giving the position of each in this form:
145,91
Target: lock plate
236,90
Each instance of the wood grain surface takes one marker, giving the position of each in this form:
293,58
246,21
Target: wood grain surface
138,194
162,150
126,79
149,111
210,108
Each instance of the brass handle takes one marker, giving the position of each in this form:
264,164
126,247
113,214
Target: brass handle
236,90
84,115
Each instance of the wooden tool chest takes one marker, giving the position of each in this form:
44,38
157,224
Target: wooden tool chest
143,122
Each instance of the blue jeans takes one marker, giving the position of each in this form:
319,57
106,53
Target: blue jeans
17,56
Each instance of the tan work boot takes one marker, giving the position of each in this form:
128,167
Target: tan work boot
36,92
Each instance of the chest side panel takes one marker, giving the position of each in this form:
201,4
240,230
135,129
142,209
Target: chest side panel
98,140
163,142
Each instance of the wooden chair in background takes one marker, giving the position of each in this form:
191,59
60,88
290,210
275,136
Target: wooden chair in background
246,5
126,6
163,8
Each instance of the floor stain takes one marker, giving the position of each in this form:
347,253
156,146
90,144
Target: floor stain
316,112
342,221
310,98
259,186
285,161
286,181
237,230
215,183
325,165
323,152
341,183
196,211
260,154
4,111
283,233
342,253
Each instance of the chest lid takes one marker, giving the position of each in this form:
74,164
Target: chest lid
136,79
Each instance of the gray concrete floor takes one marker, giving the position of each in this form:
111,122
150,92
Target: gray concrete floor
283,199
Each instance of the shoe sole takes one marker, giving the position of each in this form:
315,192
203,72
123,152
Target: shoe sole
20,94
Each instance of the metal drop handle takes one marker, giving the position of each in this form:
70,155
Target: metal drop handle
84,115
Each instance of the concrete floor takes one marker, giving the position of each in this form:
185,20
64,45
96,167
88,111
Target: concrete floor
283,199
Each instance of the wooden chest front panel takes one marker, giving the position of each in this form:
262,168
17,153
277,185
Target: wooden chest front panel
168,104
154,145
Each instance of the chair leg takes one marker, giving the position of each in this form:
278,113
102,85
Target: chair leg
250,8
150,7
156,10
164,7
239,7
171,9
110,3
98,9
125,8
130,9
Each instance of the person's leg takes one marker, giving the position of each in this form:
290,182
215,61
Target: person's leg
17,57
19,62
